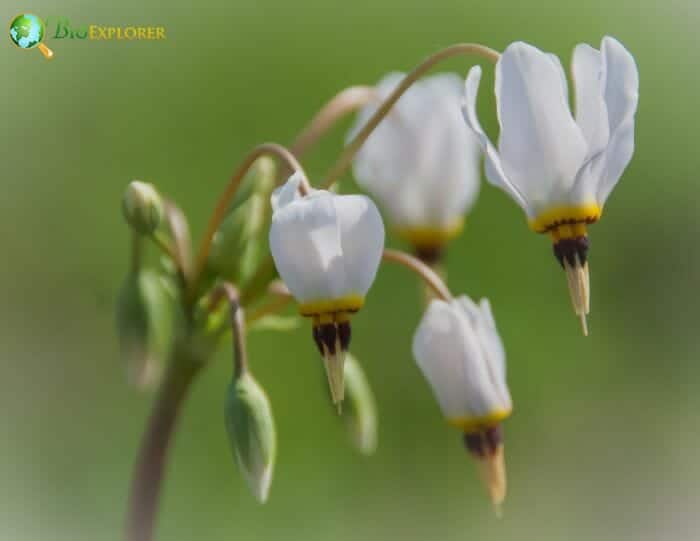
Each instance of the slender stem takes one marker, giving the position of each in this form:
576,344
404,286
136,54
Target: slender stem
240,351
278,289
351,149
150,463
230,292
230,191
164,244
136,251
344,102
270,308
428,275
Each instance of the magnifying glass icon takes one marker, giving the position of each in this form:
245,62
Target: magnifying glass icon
27,31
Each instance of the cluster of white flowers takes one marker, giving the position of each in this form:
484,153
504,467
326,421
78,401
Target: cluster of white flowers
422,165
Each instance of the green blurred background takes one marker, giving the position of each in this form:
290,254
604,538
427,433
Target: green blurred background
604,436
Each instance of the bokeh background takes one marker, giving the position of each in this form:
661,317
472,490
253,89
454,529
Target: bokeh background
604,439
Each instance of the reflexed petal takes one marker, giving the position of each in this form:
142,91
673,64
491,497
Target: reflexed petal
621,82
493,167
361,239
540,145
621,98
448,352
305,244
591,111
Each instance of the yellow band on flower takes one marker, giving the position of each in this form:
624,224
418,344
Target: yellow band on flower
471,424
568,231
565,215
431,236
348,303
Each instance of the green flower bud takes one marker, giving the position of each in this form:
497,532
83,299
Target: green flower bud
239,243
144,325
251,433
142,207
360,412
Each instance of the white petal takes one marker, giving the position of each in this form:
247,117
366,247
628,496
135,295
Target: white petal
450,154
421,162
591,111
383,162
557,63
493,167
288,192
305,244
485,327
361,239
540,145
447,350
621,97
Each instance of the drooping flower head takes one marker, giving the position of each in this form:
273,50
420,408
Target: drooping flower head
327,249
458,349
421,162
558,166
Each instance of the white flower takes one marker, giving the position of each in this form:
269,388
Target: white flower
557,167
327,249
458,349
421,162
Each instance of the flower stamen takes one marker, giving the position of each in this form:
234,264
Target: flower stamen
331,333
570,244
486,446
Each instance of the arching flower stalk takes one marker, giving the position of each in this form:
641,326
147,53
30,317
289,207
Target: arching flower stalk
458,349
421,162
560,168
327,249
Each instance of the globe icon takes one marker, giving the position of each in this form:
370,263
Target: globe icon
27,31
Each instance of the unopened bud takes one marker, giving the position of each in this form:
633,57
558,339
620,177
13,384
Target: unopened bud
237,246
360,413
251,433
142,207
144,325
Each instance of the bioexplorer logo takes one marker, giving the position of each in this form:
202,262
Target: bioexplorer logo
28,31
